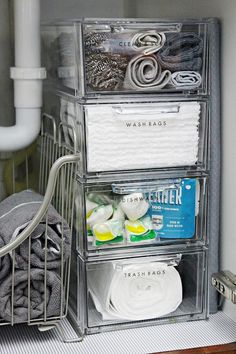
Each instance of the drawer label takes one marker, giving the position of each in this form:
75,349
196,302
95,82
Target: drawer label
145,124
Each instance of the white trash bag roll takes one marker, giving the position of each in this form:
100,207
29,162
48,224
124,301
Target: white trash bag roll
135,291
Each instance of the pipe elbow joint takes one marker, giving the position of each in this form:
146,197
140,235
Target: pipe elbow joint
24,132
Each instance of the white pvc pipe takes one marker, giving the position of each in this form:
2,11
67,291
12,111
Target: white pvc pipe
27,128
27,75
27,33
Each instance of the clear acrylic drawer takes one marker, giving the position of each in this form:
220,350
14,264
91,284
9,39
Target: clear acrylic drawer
130,216
134,136
119,56
130,292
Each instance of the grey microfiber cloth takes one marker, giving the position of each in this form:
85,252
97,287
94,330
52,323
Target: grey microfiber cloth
181,51
37,295
16,212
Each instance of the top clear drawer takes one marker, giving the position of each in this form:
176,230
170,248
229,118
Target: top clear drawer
124,56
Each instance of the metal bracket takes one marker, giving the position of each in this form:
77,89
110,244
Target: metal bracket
225,283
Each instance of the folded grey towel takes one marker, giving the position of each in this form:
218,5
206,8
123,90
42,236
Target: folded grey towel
181,51
37,295
16,212
144,73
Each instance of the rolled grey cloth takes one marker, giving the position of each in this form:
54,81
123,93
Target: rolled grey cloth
148,42
182,51
16,212
186,79
144,73
37,295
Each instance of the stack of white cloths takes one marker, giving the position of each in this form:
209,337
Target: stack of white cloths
143,136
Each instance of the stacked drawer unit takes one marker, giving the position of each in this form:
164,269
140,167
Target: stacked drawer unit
134,96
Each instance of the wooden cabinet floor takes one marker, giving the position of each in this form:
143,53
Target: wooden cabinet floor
227,349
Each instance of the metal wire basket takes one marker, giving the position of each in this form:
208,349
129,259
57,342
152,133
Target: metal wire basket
57,168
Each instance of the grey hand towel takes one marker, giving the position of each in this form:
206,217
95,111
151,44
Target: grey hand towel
144,73
181,51
16,212
37,295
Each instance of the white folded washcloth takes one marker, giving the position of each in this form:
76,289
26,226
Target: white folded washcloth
136,136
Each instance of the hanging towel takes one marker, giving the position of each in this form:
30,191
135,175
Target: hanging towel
188,79
181,51
144,73
5,263
37,298
135,291
16,212
142,136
